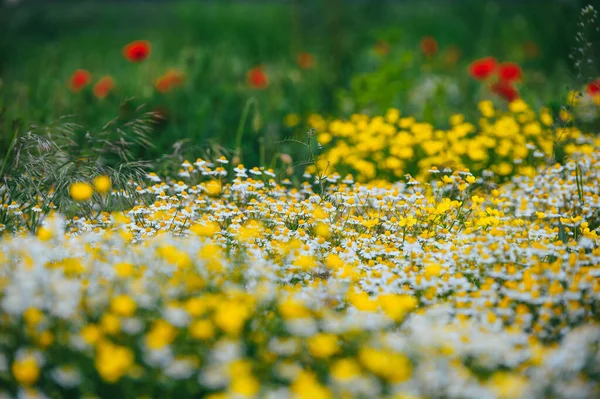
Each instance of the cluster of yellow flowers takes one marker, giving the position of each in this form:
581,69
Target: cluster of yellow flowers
250,288
83,191
503,143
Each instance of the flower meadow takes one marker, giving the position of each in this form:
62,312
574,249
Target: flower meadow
502,142
229,282
295,209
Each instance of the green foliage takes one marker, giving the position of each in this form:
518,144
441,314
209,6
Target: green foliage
41,163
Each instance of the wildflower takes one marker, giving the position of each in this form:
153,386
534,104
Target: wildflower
323,230
306,385
397,306
257,78
509,72
102,184
482,68
113,361
507,385
213,188
518,106
323,345
345,369
245,385
110,324
429,46
124,269
172,78
505,90
432,270
305,60
103,87
26,370
91,334
593,88
392,366
291,120
67,376
123,305
44,233
79,80
161,334
231,316
291,309
206,229
202,329
137,51
81,191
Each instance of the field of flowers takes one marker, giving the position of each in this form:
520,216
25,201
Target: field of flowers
429,231
225,282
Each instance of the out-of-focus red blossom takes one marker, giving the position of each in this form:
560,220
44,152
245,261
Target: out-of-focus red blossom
103,87
509,72
79,79
137,51
305,60
505,90
257,78
382,47
429,46
482,68
172,78
593,88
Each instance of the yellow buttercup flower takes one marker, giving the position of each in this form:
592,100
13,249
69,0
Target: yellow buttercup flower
44,234
213,188
81,191
113,361
123,305
291,120
202,329
206,229
161,334
323,345
102,184
26,370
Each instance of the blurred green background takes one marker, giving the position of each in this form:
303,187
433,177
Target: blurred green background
365,57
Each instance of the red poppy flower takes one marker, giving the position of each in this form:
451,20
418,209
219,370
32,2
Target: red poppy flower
509,72
505,90
593,88
103,86
429,46
137,51
305,60
482,68
80,79
172,78
257,78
